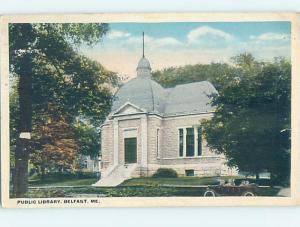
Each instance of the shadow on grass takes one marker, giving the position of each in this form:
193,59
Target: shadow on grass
130,191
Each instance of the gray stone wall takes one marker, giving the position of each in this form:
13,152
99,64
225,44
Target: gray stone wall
163,151
170,146
201,169
107,145
154,146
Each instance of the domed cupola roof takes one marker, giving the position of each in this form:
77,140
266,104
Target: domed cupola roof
152,98
144,64
142,92
143,69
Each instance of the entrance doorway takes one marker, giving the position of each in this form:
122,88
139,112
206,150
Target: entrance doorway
130,150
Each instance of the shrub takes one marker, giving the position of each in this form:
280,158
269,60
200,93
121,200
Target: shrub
165,173
85,175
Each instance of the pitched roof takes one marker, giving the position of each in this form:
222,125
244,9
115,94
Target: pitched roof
183,99
190,98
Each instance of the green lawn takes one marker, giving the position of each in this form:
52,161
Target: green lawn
141,187
180,181
147,181
63,182
129,191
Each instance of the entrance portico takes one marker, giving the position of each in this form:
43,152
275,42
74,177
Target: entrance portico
130,131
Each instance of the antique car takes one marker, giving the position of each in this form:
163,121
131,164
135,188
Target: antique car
230,189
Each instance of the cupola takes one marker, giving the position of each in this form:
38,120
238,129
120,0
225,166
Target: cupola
143,69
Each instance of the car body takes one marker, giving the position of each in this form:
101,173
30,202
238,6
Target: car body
231,190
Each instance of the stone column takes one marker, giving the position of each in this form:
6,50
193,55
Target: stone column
184,142
144,141
116,141
195,141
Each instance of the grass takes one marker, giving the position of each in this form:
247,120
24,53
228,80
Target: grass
136,187
129,191
65,182
58,179
147,181
180,181
268,191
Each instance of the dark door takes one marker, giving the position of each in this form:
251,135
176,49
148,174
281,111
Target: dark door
130,150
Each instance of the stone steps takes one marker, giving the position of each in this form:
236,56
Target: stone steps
117,176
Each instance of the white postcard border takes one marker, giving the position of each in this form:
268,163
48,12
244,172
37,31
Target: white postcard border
153,201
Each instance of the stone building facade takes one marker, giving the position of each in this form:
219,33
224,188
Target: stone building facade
151,127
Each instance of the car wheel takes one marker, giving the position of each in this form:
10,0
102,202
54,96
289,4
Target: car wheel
248,193
209,193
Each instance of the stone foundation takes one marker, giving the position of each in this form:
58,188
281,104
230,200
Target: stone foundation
182,170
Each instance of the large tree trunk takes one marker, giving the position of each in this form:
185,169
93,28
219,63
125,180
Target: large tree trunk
23,142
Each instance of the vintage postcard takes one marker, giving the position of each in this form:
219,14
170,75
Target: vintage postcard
135,110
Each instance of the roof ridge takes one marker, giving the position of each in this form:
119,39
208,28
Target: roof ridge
196,82
151,89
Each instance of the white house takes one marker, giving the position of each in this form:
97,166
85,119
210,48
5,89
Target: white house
88,163
151,127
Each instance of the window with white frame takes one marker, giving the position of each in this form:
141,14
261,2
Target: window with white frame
190,141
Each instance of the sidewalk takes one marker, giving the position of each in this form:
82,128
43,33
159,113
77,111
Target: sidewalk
285,192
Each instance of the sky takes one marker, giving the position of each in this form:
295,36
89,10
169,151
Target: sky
184,43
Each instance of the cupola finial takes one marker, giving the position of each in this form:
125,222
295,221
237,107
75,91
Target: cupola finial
143,45
144,69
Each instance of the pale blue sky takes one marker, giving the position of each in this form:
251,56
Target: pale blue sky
177,44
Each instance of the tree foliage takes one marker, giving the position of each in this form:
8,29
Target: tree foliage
53,141
251,124
173,76
46,62
13,122
62,76
88,139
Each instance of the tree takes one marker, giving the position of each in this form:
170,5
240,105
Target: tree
13,123
53,142
251,124
88,139
173,76
45,60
